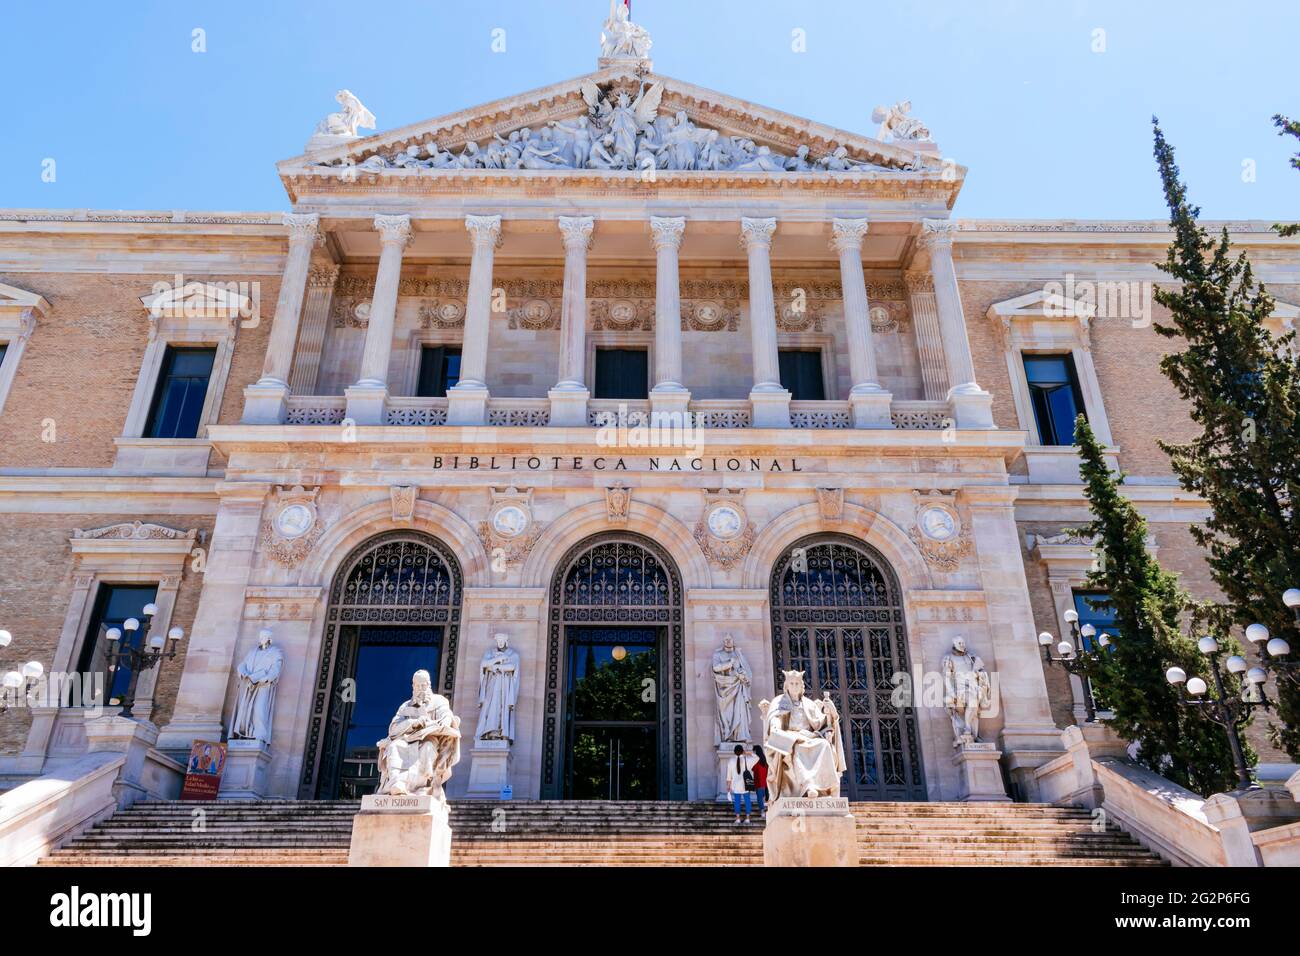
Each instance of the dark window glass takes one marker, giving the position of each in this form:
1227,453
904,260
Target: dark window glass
4,347
622,373
182,389
1054,393
114,604
439,370
801,374
1093,608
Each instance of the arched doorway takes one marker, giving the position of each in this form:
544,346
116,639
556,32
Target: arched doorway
394,608
615,709
837,615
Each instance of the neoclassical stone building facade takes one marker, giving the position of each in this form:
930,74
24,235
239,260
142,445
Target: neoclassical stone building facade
616,391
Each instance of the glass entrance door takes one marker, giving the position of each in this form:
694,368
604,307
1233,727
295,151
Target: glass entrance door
613,713
386,657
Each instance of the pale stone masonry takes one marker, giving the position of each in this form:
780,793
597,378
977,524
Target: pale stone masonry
528,517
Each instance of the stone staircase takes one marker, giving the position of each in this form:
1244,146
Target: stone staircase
589,833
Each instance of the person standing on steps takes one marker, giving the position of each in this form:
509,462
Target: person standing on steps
759,770
740,781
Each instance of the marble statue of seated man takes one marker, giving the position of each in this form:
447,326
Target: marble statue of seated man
422,745
802,738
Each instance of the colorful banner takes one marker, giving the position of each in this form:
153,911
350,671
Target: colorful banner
203,770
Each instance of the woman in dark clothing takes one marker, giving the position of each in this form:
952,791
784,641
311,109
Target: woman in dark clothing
760,779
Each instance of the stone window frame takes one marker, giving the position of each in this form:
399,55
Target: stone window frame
215,326
1039,323
616,339
409,377
822,342
19,313
132,552
1068,559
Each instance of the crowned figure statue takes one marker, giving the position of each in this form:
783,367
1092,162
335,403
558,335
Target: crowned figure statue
805,749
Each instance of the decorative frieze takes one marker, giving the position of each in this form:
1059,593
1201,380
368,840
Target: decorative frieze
135,531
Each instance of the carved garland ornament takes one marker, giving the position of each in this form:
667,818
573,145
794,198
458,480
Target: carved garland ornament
135,531
292,525
510,531
724,532
939,533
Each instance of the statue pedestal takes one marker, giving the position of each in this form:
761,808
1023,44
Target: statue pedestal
489,769
247,763
810,831
979,772
401,831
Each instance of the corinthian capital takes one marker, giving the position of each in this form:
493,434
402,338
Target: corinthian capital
666,231
394,229
484,230
847,234
303,227
576,231
937,233
757,232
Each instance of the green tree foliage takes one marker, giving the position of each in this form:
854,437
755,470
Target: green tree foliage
1242,387
1149,605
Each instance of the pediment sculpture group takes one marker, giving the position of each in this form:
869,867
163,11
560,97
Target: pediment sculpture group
619,131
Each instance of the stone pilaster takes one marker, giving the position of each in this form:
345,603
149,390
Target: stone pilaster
569,396
870,402
769,401
929,341
972,407
265,401
467,400
669,395
311,335
368,398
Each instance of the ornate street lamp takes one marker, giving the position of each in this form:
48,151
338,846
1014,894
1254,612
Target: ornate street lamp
1228,711
1081,663
1273,652
149,652
13,680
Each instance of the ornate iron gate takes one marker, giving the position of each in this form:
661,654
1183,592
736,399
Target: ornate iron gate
837,615
615,579
399,578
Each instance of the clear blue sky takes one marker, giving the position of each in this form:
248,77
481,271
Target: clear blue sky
1012,89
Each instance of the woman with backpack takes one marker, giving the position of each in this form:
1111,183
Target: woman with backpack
740,781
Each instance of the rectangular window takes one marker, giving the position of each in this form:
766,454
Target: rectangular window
622,373
1093,609
801,374
439,370
113,605
181,391
4,347
1055,396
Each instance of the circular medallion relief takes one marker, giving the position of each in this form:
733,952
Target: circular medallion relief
450,311
509,521
725,522
939,524
361,311
536,311
622,312
294,520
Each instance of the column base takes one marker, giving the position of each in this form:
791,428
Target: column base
672,401
401,831
247,766
870,404
769,408
489,769
971,406
979,772
266,403
367,404
569,407
467,405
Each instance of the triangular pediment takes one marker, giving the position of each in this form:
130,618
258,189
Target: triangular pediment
197,299
13,298
619,121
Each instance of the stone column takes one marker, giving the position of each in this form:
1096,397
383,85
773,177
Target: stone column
929,343
210,648
669,395
368,398
870,402
569,396
315,322
467,399
972,407
265,401
770,403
